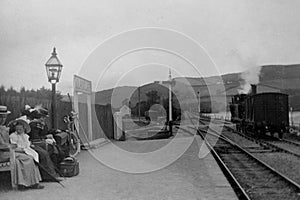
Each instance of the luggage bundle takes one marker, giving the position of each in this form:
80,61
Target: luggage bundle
61,138
69,167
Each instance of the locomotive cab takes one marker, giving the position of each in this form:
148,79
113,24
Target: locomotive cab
237,110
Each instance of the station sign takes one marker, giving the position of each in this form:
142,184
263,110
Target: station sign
82,85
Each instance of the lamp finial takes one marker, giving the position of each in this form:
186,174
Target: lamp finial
54,51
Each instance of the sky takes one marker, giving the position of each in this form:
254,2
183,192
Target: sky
234,35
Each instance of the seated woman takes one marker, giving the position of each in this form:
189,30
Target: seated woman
39,131
21,139
27,172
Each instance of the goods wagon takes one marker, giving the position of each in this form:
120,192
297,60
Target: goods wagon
260,113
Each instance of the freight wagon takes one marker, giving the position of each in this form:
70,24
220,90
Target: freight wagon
260,113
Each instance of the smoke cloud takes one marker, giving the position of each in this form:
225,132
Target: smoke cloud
248,62
250,76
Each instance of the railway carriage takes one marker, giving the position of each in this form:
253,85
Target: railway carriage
260,113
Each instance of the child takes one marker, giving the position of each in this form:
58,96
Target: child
21,139
40,155
27,172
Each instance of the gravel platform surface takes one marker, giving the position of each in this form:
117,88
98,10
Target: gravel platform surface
187,178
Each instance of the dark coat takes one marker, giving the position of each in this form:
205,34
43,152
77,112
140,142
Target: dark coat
38,131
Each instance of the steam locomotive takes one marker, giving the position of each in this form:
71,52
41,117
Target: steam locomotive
260,113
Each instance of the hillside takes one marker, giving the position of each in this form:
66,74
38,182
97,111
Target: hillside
284,78
114,96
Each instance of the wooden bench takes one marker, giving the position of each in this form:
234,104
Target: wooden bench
10,164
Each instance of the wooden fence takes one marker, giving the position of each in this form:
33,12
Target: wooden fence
16,104
102,115
102,122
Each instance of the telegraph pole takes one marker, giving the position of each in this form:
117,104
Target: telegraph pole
170,96
139,93
170,83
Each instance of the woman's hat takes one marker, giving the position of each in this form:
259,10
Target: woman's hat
3,110
42,112
22,122
27,111
35,112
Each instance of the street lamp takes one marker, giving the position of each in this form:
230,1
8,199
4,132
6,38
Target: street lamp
53,69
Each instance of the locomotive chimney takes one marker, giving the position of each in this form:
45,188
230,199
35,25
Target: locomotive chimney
253,89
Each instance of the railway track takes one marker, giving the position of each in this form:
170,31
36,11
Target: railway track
285,146
249,177
280,145
256,179
296,143
240,192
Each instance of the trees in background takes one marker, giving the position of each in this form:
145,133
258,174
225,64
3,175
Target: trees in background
16,100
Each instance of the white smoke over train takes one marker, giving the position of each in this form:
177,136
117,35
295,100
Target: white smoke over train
249,64
250,76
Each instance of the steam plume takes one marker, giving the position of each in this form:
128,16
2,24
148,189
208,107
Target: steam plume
250,76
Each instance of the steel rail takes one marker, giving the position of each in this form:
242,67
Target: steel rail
291,142
293,183
239,190
266,143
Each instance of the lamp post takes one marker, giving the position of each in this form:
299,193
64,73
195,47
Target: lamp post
53,69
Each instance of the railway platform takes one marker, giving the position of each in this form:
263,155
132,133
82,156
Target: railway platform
188,177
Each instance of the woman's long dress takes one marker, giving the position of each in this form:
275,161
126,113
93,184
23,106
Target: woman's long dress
22,140
27,172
